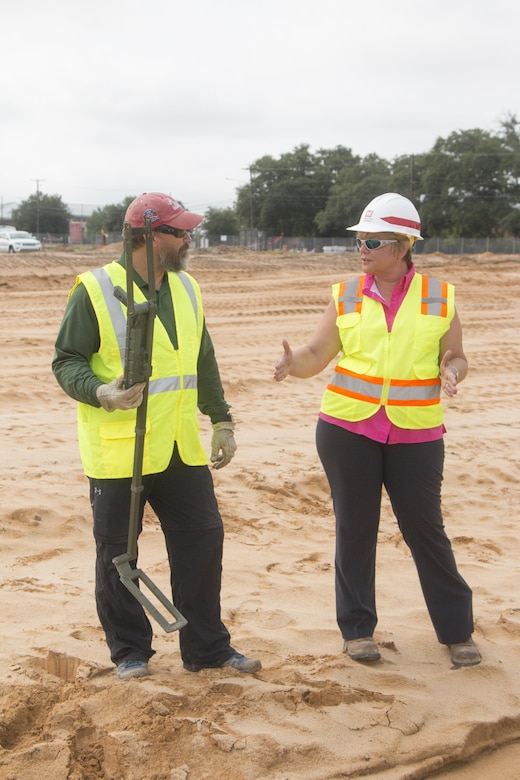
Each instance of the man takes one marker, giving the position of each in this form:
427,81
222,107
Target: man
177,482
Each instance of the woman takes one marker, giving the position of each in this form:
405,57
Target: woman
399,340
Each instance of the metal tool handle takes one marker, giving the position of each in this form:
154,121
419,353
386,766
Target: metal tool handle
138,368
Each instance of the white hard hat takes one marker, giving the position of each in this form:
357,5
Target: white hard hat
390,213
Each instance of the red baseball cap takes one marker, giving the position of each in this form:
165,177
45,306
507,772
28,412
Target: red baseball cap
162,210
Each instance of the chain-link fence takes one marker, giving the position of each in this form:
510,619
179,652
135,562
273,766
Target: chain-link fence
450,246
468,246
261,242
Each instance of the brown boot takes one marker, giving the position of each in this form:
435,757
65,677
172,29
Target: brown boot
465,653
362,649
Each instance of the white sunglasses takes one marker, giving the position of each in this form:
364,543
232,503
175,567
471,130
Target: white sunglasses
374,243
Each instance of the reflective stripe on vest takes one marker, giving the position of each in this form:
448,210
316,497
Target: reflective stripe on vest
415,392
114,308
362,387
350,297
119,324
402,392
434,297
191,293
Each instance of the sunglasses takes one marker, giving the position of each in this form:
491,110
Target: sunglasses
374,243
171,231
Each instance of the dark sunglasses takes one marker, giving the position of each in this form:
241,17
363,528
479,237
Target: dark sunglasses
374,243
171,231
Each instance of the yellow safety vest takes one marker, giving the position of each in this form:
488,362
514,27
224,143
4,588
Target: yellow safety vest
397,370
107,439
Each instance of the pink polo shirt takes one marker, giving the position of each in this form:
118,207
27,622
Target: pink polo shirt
379,427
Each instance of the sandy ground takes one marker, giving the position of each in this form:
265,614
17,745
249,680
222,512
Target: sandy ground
311,713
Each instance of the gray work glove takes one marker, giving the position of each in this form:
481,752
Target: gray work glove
114,396
223,445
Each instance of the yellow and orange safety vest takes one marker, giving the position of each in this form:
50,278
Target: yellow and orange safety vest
399,369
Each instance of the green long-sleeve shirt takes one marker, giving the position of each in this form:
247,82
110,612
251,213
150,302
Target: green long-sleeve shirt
78,339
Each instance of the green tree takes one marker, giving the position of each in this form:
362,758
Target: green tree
467,185
42,214
464,187
285,194
221,222
407,171
356,185
109,218
510,135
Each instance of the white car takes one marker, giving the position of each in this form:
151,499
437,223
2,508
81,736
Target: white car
18,241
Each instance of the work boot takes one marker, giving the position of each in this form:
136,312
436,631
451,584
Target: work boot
128,669
465,653
236,661
362,649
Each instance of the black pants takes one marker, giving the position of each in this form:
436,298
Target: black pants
357,468
184,501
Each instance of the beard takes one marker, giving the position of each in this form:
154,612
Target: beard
175,259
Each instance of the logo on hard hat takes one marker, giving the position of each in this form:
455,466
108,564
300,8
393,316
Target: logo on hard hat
152,215
369,213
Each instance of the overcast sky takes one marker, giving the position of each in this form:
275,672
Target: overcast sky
109,98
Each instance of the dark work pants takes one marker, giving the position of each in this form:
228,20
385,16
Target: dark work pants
357,468
184,501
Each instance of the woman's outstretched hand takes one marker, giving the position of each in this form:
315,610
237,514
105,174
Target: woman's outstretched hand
283,364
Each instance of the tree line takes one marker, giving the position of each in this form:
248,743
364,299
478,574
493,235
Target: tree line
466,185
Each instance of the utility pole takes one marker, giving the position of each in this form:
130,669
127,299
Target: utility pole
38,205
251,200
251,206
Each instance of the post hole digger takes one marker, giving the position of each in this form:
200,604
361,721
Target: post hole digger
138,368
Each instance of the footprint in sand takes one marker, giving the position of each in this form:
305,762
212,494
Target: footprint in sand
88,634
254,611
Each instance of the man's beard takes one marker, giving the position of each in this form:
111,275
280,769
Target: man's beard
174,260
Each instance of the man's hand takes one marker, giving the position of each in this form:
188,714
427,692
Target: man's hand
114,396
223,445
